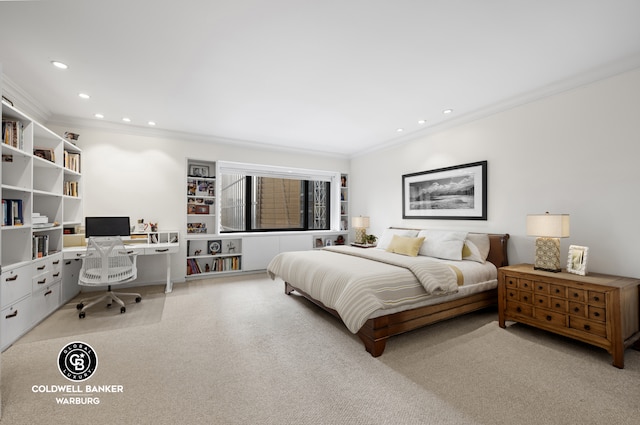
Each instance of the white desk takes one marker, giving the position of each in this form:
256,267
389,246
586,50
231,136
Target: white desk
71,253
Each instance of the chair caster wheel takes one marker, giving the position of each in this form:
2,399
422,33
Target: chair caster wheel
81,315
109,305
122,310
138,299
79,306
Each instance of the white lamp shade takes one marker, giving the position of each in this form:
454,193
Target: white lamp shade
360,222
548,225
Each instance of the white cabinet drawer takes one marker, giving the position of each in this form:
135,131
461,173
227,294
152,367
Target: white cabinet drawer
40,281
15,284
16,321
47,264
45,301
161,249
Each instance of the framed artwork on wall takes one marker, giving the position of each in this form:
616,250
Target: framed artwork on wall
452,193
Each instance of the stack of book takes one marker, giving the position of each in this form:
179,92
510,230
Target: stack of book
40,221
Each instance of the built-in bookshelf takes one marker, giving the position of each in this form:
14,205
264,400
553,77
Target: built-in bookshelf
41,195
215,255
344,202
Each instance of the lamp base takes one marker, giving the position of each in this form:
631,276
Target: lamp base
360,235
547,255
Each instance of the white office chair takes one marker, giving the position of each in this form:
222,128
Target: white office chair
107,263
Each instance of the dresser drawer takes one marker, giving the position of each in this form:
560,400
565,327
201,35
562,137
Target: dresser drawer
558,304
525,284
45,301
574,294
15,284
551,317
577,309
588,326
519,309
597,313
541,300
596,298
558,290
541,287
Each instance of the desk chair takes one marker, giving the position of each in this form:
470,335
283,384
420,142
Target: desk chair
106,263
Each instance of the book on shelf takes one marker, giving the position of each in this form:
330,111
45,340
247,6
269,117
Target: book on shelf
45,153
12,212
72,161
40,246
13,133
71,188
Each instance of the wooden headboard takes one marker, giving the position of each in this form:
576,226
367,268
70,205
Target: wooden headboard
497,248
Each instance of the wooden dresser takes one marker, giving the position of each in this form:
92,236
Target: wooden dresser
598,309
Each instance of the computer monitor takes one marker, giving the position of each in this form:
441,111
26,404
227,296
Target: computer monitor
106,226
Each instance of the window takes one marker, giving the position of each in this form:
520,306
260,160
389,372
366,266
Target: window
261,198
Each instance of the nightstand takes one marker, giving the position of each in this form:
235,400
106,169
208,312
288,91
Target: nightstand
598,309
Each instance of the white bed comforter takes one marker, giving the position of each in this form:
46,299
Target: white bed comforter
346,279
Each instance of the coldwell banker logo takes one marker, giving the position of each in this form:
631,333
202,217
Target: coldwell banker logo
77,361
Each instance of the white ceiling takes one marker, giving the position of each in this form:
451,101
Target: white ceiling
336,76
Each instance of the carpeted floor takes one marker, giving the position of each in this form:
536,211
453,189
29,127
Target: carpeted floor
238,351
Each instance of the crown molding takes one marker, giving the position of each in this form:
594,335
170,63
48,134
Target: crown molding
23,101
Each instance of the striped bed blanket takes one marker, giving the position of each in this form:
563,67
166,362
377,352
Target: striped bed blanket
357,282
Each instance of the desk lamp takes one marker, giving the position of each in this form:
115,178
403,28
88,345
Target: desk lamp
548,228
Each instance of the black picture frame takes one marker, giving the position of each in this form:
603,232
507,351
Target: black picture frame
451,193
198,170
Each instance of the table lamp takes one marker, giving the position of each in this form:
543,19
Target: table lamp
360,225
548,228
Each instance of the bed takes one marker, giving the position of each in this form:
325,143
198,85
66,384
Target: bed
413,278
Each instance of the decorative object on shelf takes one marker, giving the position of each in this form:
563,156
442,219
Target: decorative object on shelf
370,239
198,170
196,227
72,137
202,209
231,248
328,242
577,261
340,240
215,247
548,228
319,243
458,192
360,224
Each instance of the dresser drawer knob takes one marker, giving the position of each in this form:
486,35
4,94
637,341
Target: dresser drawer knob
11,279
596,298
9,316
549,318
575,295
519,310
557,305
587,327
48,293
577,309
596,314
41,282
540,301
42,267
525,298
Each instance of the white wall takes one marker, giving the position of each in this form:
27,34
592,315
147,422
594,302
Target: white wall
576,152
143,176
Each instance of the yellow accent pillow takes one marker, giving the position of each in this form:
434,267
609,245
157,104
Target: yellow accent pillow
405,245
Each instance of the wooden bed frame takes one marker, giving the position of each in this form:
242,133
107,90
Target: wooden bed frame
375,332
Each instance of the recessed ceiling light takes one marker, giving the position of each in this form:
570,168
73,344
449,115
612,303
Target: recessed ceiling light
84,95
151,123
422,121
59,65
447,111
399,130
99,116
125,119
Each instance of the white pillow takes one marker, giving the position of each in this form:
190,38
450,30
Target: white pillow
478,247
387,236
443,244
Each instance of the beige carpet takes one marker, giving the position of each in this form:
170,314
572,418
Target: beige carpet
239,351
99,318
